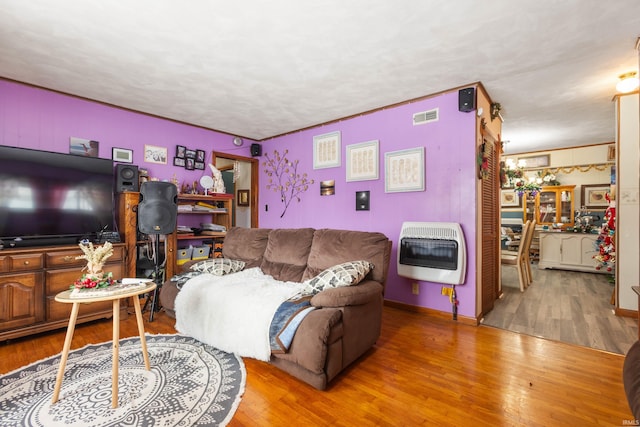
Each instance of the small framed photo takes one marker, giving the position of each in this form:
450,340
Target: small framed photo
404,170
83,147
179,161
121,155
190,164
180,151
510,199
190,154
611,153
362,161
155,154
326,150
243,198
594,196
199,165
200,154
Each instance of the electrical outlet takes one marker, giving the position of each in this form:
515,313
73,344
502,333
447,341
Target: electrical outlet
415,288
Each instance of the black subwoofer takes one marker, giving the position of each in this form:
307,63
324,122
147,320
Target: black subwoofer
158,207
126,178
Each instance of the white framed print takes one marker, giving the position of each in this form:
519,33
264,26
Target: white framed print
121,155
362,161
155,154
404,170
326,150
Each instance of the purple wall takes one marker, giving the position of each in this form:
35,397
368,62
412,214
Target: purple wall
35,118
449,197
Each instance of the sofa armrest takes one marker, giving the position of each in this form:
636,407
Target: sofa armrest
359,294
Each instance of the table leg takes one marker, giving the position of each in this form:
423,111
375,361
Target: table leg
65,351
143,340
116,345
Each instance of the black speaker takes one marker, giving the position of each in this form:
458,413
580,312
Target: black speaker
126,178
467,100
362,200
158,207
256,150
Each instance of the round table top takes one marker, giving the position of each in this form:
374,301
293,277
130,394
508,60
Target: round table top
65,296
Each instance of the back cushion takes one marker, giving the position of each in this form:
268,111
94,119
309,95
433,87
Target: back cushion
332,247
246,244
285,257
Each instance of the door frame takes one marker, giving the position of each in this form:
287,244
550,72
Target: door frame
255,169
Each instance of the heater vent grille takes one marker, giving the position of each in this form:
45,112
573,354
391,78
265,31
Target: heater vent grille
424,117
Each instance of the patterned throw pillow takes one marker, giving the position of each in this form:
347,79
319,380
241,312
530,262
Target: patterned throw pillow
218,266
345,274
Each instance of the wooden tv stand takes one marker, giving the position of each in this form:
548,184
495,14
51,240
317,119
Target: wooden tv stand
30,278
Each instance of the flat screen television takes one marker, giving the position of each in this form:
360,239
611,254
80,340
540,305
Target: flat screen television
49,198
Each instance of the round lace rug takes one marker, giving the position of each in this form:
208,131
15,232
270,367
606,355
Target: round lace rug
189,384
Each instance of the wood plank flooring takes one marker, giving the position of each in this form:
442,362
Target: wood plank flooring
423,371
566,306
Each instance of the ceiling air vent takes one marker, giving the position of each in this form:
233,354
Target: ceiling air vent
425,117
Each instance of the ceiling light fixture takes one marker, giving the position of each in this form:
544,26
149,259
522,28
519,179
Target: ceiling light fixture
628,82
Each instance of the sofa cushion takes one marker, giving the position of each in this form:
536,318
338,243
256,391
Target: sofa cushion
285,257
345,274
331,247
218,266
246,244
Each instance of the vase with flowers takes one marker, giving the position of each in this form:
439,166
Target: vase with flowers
96,258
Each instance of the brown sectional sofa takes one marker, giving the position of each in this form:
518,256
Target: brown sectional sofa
348,319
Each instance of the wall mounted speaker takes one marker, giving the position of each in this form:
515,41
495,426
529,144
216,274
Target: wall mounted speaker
467,100
256,150
126,178
362,200
158,208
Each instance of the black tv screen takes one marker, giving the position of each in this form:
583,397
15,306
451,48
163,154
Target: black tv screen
53,198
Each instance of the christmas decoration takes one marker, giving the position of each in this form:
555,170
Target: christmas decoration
605,243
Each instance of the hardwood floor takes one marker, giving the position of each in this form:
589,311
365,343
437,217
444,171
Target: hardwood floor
422,371
566,306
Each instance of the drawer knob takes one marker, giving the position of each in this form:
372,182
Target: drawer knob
27,263
68,258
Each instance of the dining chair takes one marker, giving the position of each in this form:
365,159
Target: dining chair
518,259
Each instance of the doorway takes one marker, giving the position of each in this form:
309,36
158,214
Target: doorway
240,173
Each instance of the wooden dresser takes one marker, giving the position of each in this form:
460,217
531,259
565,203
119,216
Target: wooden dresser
30,278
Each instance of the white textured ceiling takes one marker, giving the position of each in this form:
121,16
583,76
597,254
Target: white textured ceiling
264,68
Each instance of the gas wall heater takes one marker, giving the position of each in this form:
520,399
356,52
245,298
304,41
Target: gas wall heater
433,252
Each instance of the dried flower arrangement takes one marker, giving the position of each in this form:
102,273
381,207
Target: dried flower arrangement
96,258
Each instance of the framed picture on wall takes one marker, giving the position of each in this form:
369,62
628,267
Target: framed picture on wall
404,170
326,150
190,154
541,161
199,165
180,151
121,155
510,199
594,196
190,164
155,154
362,161
179,161
243,197
200,155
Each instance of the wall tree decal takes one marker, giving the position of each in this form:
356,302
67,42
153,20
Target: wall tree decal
284,178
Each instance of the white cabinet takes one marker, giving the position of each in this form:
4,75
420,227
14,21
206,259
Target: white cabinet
568,251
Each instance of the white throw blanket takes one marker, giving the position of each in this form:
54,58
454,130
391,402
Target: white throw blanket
232,313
